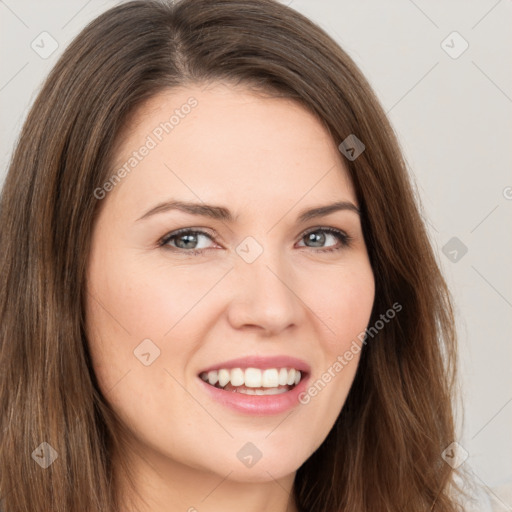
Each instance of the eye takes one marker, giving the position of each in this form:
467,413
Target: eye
313,236
186,239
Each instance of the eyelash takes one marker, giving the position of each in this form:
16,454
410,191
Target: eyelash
344,239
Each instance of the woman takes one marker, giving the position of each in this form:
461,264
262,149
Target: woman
302,360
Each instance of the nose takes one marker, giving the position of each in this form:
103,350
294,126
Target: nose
263,294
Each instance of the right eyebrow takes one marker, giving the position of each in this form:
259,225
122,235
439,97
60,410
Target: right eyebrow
205,210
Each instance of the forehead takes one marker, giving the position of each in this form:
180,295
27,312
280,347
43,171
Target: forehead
223,142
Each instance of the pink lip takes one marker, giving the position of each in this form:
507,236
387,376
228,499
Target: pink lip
260,405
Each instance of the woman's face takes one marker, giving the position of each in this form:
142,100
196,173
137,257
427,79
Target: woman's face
251,284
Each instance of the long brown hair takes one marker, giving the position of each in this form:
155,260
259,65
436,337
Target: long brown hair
384,451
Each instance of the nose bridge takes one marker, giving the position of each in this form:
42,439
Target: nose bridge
264,285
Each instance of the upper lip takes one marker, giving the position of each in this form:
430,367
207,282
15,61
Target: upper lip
261,362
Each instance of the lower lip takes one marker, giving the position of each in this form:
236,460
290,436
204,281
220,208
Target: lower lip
258,405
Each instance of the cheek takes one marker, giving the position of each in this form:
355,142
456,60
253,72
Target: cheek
343,300
131,301
144,300
342,307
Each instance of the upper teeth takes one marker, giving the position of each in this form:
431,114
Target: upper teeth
253,377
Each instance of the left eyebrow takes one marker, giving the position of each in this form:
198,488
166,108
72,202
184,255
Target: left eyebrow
321,211
222,213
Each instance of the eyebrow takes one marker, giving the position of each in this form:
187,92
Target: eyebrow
223,214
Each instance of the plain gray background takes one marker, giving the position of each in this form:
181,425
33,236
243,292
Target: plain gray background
452,111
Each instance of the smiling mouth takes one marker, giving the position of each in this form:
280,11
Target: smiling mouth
253,381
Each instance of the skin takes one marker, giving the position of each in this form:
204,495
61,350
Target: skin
266,160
